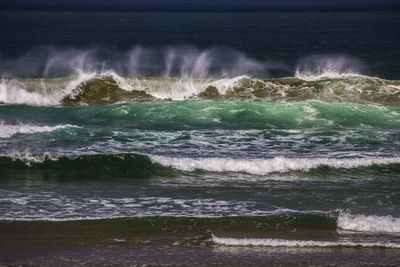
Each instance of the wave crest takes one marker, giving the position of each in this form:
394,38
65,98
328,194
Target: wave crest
8,130
184,72
265,166
270,242
108,88
251,166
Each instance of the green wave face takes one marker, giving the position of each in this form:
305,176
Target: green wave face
245,115
252,115
222,115
95,167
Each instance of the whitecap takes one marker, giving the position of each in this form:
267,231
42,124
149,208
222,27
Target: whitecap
368,223
270,242
9,130
265,166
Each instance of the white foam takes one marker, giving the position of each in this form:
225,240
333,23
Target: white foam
7,130
325,75
183,88
370,223
265,166
168,88
269,242
29,159
39,92
50,91
16,92
229,84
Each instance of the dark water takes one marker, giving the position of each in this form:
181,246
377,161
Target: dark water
174,138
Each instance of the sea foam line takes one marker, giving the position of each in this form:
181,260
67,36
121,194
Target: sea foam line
270,242
265,166
7,130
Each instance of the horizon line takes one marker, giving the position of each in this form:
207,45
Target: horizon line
196,9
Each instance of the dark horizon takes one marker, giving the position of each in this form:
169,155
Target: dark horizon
205,5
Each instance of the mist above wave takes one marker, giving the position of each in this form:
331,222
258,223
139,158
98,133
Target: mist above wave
185,62
316,67
171,61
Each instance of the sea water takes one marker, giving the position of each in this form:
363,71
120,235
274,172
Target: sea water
199,138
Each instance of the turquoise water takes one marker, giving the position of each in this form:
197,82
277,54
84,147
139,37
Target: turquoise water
201,158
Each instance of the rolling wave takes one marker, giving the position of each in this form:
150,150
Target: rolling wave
281,221
7,130
181,73
371,224
132,165
189,115
84,167
108,88
265,166
269,242
368,223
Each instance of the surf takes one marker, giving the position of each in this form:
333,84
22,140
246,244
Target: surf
109,88
98,166
269,242
266,166
9,130
73,77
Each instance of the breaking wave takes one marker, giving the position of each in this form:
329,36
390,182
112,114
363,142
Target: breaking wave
179,73
210,226
128,164
279,219
368,223
269,242
7,130
108,88
265,166
371,224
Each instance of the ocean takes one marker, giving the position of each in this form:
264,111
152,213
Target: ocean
162,138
